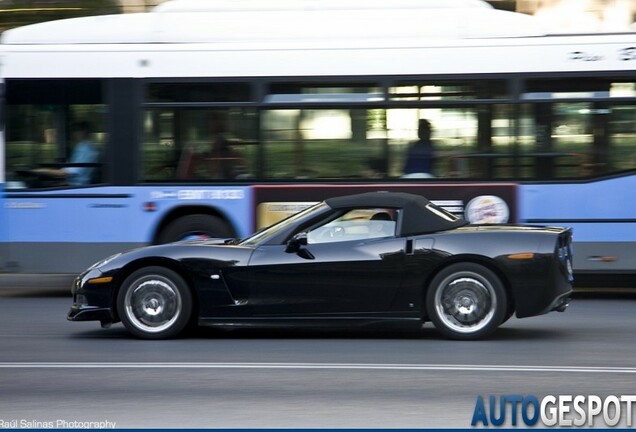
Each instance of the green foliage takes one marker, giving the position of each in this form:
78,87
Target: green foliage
16,13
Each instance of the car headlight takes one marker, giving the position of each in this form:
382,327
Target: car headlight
103,262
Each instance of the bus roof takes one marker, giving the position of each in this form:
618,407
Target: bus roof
406,22
269,42
262,5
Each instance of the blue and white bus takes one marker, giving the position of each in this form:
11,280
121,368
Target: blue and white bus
216,118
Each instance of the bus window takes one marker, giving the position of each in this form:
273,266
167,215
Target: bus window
563,140
338,142
43,145
573,141
565,130
448,90
198,92
323,143
199,144
622,137
471,142
454,134
326,92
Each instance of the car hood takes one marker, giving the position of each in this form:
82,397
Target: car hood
209,250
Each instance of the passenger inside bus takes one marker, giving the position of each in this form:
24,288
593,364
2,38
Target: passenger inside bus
80,168
219,162
421,155
82,162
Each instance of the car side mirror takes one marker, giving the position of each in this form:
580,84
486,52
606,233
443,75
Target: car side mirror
295,244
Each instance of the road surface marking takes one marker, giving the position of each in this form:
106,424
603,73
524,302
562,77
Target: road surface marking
345,366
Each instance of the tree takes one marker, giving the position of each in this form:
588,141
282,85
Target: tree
15,13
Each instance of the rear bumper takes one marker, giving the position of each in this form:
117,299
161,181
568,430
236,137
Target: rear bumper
551,293
561,303
545,284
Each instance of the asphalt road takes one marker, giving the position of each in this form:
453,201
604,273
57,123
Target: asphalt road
52,370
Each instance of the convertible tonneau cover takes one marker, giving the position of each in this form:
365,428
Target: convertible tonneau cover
417,218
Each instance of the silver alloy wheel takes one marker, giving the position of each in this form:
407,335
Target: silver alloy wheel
465,302
153,303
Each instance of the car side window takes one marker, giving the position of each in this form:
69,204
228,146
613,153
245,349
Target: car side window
356,224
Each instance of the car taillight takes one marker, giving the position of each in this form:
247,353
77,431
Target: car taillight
564,252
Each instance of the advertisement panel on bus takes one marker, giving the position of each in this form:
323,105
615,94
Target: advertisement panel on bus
478,202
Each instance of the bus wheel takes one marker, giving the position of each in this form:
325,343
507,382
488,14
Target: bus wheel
466,301
196,226
154,303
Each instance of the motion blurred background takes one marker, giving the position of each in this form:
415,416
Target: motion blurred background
558,16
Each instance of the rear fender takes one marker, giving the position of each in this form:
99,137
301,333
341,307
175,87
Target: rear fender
490,264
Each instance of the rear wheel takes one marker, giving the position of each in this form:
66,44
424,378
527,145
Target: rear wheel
195,226
466,301
155,303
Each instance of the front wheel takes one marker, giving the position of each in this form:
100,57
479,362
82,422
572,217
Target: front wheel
154,303
466,301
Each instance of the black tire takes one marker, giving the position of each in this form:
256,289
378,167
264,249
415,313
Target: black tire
466,301
195,225
155,303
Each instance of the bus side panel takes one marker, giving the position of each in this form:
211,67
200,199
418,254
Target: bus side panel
65,232
601,214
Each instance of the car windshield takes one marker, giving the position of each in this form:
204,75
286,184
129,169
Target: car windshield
263,234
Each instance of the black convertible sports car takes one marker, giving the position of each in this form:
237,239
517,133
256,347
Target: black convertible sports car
367,259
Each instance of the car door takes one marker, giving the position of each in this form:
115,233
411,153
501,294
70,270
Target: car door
347,267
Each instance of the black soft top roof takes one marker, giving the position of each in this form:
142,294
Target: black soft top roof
419,215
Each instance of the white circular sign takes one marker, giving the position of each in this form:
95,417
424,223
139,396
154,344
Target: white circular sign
487,209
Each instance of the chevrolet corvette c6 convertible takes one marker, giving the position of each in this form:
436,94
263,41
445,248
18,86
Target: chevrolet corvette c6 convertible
376,258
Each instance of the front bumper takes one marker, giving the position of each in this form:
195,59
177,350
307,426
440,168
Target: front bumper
80,312
92,301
